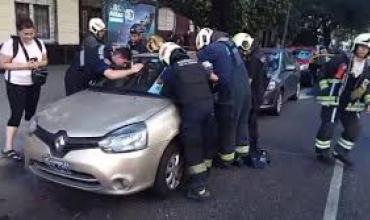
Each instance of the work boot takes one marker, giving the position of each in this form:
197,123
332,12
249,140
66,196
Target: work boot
343,157
324,156
239,161
199,195
222,164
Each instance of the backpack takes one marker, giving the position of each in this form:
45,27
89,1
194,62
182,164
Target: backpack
16,47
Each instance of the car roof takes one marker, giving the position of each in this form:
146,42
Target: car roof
146,55
272,49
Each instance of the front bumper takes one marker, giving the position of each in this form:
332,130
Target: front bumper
269,99
97,171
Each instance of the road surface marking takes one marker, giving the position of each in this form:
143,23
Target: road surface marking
332,201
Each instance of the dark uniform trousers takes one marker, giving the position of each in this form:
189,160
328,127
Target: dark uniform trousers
197,123
351,125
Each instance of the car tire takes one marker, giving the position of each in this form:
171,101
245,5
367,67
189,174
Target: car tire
276,109
297,92
170,171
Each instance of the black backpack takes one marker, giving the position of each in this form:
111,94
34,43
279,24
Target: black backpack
16,47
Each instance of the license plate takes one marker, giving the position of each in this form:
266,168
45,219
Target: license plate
58,165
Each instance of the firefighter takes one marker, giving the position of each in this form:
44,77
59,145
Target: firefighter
186,82
257,69
77,77
154,43
344,94
233,94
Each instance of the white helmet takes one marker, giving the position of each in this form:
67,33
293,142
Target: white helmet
96,25
362,39
203,38
243,40
165,51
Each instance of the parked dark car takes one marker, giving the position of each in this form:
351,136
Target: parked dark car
284,76
304,57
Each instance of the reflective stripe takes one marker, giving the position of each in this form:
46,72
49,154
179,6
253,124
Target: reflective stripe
197,169
346,144
326,98
334,81
227,157
101,52
242,149
323,84
322,144
367,99
357,107
208,163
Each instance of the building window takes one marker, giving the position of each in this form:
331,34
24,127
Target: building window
22,10
41,19
42,12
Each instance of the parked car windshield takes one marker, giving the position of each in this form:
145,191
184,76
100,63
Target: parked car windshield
302,54
273,60
137,83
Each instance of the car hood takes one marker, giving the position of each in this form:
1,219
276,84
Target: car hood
94,114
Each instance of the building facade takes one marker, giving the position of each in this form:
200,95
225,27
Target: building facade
62,24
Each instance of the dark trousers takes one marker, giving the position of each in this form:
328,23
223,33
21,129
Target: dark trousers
75,80
22,99
253,125
242,121
196,121
351,125
226,130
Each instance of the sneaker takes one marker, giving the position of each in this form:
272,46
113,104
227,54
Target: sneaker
198,195
343,157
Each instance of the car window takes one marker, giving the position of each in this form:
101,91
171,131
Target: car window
140,82
302,54
273,60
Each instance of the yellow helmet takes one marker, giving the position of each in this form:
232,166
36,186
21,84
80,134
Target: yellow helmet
154,43
243,41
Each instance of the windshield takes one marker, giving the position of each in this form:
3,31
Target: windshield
137,83
272,59
302,54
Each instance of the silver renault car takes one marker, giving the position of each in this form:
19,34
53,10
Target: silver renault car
113,138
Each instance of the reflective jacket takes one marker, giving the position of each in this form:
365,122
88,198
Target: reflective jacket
340,88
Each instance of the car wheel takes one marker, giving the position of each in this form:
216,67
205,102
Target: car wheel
297,93
170,171
276,110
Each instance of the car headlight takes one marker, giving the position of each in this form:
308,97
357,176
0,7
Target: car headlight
271,86
129,138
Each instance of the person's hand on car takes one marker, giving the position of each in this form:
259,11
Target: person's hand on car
137,67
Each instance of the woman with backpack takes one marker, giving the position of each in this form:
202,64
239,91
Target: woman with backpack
20,56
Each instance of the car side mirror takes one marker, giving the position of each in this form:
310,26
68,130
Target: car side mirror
290,68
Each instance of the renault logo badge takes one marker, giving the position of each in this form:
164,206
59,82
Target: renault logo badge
60,143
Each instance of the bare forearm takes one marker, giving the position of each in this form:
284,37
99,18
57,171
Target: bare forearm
16,66
117,74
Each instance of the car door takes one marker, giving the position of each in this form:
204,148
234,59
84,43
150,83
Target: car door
290,83
296,73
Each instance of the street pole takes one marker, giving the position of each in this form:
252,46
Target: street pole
286,26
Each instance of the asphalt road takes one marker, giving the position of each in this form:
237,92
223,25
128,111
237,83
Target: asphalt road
295,186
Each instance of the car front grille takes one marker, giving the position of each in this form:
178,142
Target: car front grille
72,143
72,178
